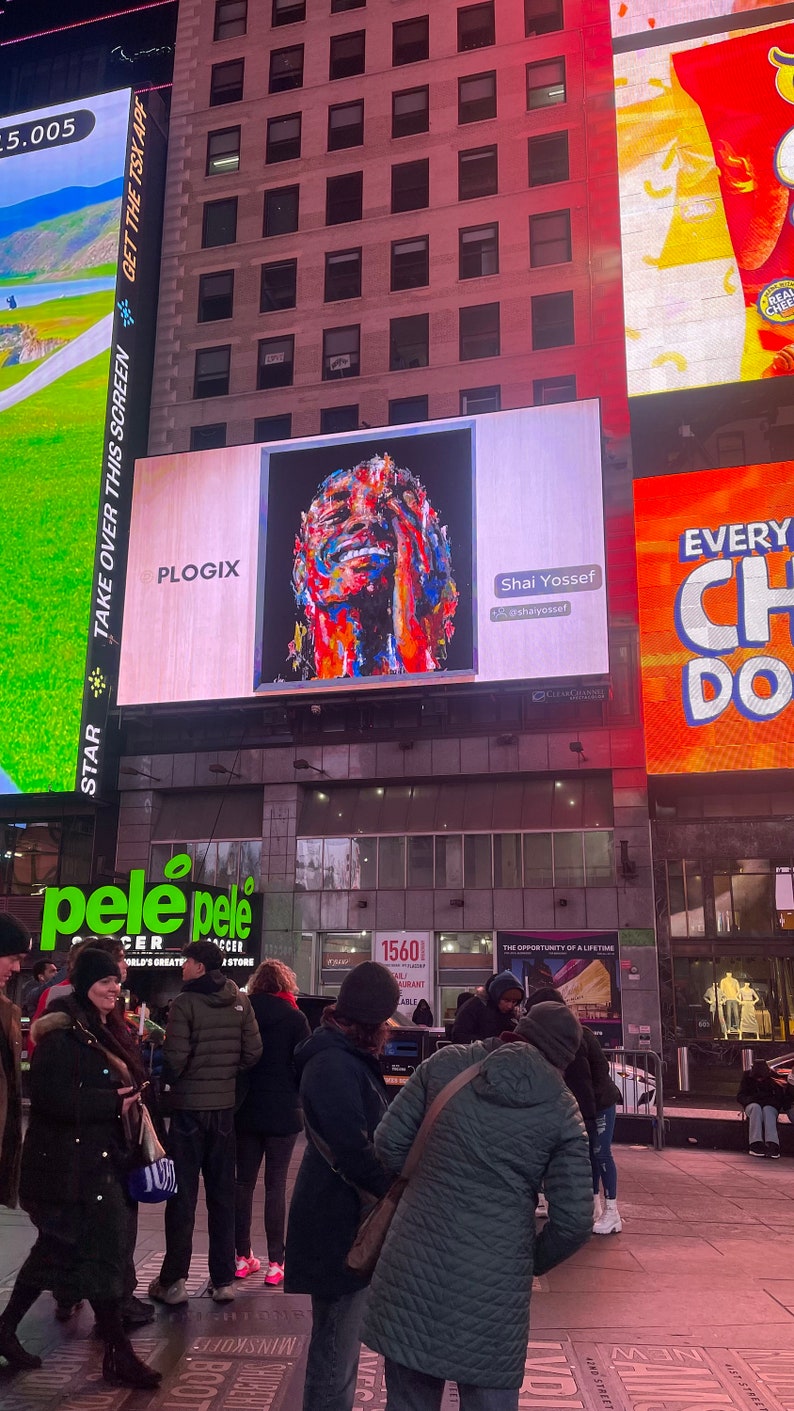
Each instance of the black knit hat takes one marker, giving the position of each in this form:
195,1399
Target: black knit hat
206,953
369,994
553,1029
14,939
92,965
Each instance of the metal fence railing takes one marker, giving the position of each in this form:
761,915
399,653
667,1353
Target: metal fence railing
638,1074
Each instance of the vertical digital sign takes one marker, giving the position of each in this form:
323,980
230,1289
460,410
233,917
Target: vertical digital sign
79,202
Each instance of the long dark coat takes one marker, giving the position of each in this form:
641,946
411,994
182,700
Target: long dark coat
272,1103
10,1103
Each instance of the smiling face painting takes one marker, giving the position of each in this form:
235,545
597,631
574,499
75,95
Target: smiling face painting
372,577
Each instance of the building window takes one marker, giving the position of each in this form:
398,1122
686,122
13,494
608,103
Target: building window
476,97
476,400
478,173
230,18
226,83
552,320
216,296
278,286
410,112
479,332
546,83
286,69
410,263
343,198
478,251
281,211
745,896
288,11
341,352
275,362
476,27
404,410
346,55
542,17
335,419
410,186
342,275
284,138
731,448
337,6
548,159
219,226
346,125
409,342
273,428
685,899
208,438
211,376
223,151
410,41
550,238
548,391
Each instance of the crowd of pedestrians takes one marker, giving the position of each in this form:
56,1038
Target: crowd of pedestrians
516,1113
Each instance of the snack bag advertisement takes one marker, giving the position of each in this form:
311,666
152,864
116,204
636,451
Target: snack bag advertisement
706,161
716,584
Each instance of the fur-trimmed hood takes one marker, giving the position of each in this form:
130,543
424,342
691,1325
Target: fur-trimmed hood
51,1021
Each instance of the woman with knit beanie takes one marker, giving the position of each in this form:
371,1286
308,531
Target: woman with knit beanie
85,1076
344,1098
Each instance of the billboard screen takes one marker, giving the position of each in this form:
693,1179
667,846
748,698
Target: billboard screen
639,18
716,581
72,197
471,550
706,169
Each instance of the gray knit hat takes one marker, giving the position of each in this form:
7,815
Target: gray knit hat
368,995
553,1029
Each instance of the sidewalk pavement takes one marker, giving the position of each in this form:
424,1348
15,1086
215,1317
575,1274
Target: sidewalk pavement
691,1308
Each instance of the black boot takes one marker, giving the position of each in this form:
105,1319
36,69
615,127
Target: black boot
121,1366
22,1298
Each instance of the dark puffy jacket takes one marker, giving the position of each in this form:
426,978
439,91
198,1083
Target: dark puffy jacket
10,1101
344,1098
590,1080
483,1019
469,1213
210,1037
272,1104
766,1091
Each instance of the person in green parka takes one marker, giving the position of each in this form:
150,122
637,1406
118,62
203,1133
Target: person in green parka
515,1127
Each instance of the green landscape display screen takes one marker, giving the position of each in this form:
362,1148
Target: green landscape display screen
64,198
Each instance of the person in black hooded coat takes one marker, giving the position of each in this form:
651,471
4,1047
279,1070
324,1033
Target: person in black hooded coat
488,1018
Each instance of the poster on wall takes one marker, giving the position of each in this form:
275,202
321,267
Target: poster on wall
409,956
471,550
706,170
716,590
582,965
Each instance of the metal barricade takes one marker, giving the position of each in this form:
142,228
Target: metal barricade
638,1074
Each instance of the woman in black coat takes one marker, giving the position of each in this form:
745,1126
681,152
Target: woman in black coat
763,1097
84,1079
344,1098
269,1118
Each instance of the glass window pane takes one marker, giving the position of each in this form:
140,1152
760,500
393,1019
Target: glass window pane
478,811
308,864
391,862
568,860
537,803
420,862
422,806
228,864
342,810
449,812
598,807
599,859
784,897
394,815
368,809
676,899
336,864
723,903
696,922
449,861
477,860
251,861
568,799
205,868
159,855
363,863
537,860
753,899
507,860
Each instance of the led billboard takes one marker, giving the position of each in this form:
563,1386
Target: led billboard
706,166
643,16
716,582
74,184
471,550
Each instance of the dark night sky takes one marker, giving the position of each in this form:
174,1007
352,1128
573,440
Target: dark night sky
23,17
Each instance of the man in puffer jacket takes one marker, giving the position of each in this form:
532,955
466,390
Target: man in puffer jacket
488,1018
211,1036
514,1127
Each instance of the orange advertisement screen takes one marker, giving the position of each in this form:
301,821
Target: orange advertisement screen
715,554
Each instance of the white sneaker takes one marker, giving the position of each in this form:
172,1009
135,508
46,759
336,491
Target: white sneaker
171,1294
223,1294
598,1208
610,1222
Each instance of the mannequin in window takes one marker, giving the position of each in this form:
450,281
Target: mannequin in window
729,989
748,1018
713,998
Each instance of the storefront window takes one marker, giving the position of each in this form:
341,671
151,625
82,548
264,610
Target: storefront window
685,899
741,998
339,952
744,896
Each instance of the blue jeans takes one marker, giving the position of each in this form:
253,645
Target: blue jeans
407,1390
601,1158
332,1365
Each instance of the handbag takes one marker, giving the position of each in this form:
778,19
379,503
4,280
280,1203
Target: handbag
155,1179
365,1250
